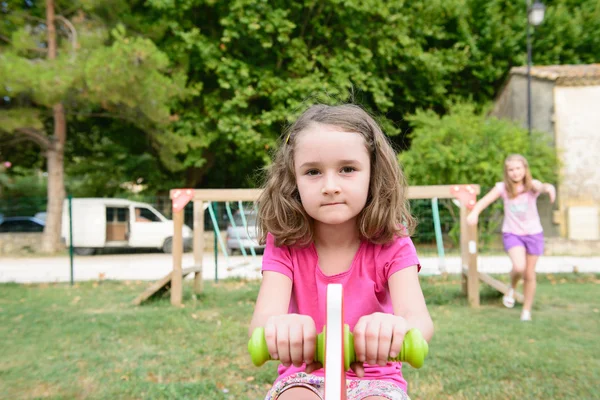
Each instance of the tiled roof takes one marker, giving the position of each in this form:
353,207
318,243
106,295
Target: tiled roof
564,75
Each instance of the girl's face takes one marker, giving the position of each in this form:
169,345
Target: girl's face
515,171
333,170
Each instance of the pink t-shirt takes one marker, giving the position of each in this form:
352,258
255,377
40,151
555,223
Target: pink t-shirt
520,213
364,283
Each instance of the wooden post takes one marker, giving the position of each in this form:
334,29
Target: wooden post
472,275
464,244
198,244
177,249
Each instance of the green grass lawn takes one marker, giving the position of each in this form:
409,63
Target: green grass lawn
87,341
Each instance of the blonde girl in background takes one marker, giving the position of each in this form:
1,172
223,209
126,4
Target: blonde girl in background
522,231
334,210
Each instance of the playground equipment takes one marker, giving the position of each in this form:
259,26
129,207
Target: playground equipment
465,194
414,348
335,346
249,261
180,198
438,234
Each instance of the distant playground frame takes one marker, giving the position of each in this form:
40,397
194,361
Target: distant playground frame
466,194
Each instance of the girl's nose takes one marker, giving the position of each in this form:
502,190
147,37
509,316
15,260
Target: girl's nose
330,186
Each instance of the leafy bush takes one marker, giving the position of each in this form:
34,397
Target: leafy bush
466,146
22,193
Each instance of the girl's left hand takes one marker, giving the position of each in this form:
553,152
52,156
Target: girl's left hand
376,338
551,193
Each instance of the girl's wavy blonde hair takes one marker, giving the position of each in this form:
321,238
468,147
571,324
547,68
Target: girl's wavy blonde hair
386,213
510,187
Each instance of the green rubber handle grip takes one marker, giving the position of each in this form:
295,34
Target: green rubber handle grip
414,348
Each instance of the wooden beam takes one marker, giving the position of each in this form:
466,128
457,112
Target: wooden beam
439,191
162,285
154,289
499,286
177,249
414,192
226,194
198,244
472,274
463,249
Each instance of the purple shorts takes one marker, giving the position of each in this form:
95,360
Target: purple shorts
534,244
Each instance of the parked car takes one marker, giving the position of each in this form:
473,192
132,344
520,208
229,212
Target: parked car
21,225
41,215
247,235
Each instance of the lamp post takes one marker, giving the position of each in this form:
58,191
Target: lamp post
535,16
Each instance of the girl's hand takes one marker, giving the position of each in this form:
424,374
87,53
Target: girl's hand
377,337
551,192
472,218
291,338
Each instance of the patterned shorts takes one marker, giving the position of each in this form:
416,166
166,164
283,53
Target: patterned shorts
357,389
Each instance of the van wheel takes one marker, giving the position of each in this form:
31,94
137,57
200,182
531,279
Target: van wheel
168,246
84,251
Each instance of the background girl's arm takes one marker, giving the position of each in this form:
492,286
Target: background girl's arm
545,188
482,204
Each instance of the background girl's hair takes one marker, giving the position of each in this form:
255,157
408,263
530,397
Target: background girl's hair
511,188
386,213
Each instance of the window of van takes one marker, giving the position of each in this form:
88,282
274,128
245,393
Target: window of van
115,214
145,215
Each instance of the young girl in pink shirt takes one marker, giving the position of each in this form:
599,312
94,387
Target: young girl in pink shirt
522,231
334,210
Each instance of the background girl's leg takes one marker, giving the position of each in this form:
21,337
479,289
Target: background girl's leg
529,284
518,259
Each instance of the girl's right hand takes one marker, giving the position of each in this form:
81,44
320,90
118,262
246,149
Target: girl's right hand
292,339
472,218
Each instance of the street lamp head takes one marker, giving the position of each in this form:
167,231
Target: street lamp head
536,13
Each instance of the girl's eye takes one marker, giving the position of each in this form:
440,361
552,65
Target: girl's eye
312,172
348,170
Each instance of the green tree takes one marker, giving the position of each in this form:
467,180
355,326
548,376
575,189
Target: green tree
260,62
255,64
104,162
53,65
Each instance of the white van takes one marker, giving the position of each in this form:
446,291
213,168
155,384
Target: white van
105,223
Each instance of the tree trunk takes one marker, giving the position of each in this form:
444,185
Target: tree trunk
51,240
56,183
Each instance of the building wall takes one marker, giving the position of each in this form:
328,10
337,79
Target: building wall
512,104
578,134
577,122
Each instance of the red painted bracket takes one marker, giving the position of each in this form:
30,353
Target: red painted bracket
180,197
465,194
